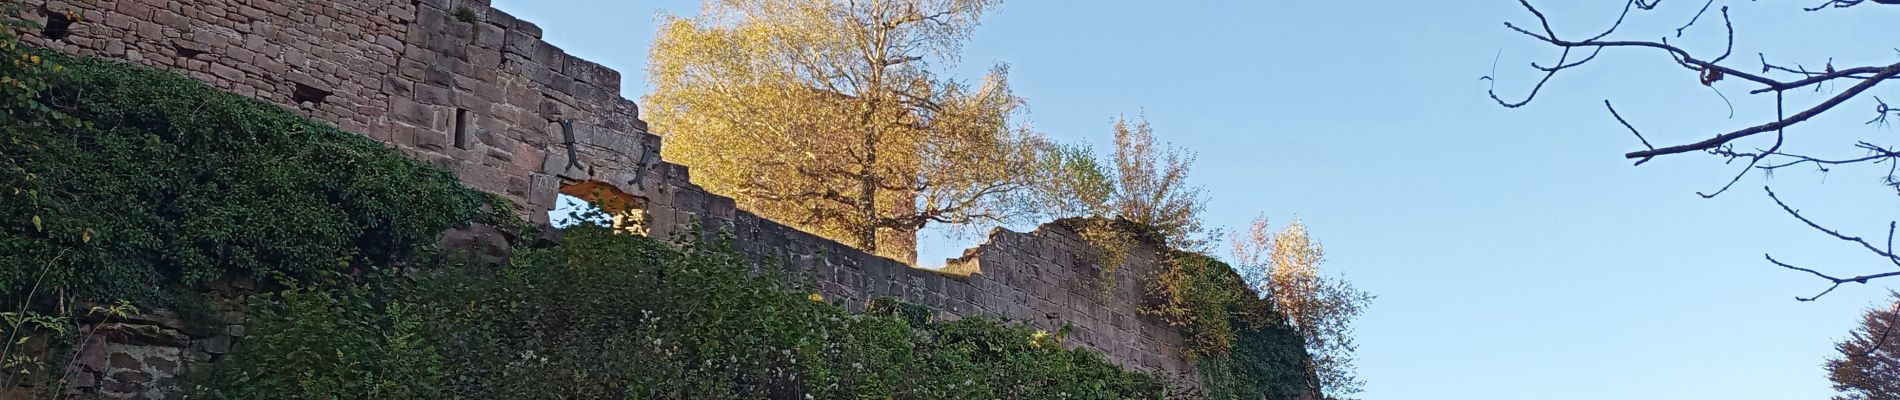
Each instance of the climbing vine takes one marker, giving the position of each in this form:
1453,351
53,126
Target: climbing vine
1244,348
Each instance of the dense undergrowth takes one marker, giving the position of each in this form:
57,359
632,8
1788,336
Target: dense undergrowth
1243,348
608,315
132,180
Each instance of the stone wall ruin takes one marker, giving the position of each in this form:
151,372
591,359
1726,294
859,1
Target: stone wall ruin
476,91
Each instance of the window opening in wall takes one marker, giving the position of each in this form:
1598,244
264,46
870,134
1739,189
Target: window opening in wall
58,24
569,210
461,128
187,52
600,204
308,94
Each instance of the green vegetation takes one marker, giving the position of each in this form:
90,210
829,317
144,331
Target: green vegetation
1248,334
1243,344
834,116
1244,348
609,315
171,182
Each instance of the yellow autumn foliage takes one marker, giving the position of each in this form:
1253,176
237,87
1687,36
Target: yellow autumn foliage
832,116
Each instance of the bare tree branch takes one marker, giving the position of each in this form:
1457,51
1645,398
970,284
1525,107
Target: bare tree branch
1869,76
1771,78
1886,252
1878,154
1778,124
1626,124
1837,281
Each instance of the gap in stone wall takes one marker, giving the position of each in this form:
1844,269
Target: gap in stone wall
569,210
461,128
57,26
305,95
186,52
615,208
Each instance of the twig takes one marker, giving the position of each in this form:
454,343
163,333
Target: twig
1698,15
1837,281
1626,124
1893,318
1778,124
1837,234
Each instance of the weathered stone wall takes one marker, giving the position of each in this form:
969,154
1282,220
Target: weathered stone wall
453,82
145,355
1045,278
476,91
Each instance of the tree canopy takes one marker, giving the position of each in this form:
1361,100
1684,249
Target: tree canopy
1284,266
1869,364
1146,182
833,116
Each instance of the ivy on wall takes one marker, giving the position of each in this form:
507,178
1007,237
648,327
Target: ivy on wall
169,181
1243,348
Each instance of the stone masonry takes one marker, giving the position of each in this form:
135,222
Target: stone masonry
455,83
476,91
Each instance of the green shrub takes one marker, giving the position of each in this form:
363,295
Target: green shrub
1266,362
331,341
620,316
1243,348
169,181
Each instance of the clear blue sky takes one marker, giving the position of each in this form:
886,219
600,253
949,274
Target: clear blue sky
1515,254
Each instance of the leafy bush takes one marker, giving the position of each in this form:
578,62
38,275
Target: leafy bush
169,181
1244,348
618,316
325,340
1264,363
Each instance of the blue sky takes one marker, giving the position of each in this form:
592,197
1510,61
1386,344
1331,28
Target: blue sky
1515,253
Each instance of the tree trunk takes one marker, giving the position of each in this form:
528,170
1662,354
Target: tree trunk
867,178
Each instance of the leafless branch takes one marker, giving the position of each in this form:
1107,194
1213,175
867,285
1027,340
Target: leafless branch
1881,110
1698,17
1753,158
1886,252
1561,63
1837,282
1888,72
1626,124
1876,154
1712,71
1771,78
